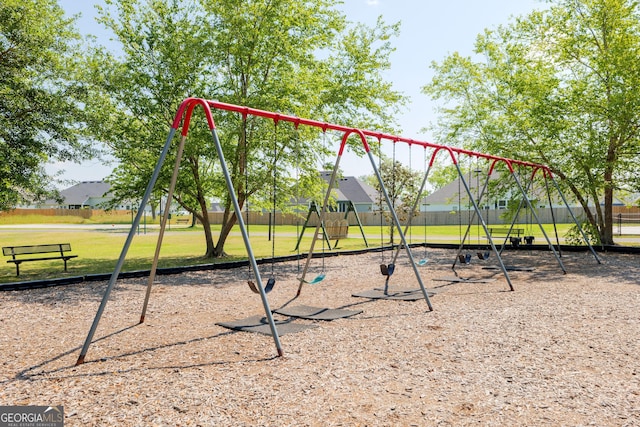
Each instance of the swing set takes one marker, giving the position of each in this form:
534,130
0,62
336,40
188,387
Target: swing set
182,122
332,230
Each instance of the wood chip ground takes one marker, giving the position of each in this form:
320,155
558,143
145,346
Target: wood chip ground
562,349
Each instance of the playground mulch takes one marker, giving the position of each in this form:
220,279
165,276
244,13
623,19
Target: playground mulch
559,350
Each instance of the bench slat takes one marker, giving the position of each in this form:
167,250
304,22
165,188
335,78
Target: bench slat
19,260
497,231
36,249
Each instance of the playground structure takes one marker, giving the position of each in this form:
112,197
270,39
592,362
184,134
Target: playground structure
331,230
183,119
511,233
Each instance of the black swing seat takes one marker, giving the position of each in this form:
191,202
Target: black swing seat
387,270
484,255
270,284
529,240
465,259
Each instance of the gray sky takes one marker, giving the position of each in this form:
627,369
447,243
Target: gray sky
430,30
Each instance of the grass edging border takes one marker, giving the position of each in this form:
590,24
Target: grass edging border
45,283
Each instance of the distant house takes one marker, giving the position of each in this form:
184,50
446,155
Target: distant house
216,207
453,196
447,199
84,195
351,189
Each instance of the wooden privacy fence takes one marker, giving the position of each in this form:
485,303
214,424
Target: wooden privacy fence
83,213
260,218
635,210
562,216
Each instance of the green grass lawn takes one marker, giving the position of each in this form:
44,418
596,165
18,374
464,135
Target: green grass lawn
99,249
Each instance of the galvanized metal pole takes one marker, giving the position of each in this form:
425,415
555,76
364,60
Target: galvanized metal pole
484,226
584,236
247,243
398,226
163,225
535,215
125,248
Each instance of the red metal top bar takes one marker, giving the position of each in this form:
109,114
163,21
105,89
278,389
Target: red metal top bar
186,109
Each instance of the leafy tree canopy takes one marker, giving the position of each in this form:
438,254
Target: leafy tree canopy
296,57
561,87
402,185
41,117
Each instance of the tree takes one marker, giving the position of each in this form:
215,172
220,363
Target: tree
41,118
136,94
559,87
402,186
296,57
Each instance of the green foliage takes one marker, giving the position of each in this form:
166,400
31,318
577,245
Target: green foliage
402,185
297,57
524,214
573,236
441,175
41,118
559,87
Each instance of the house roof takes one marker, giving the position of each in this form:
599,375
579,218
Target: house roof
448,194
83,191
351,188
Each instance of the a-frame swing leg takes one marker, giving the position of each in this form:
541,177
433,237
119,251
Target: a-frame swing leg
313,208
125,247
163,224
306,222
320,224
473,218
575,220
398,226
135,224
484,226
535,215
413,210
352,208
247,243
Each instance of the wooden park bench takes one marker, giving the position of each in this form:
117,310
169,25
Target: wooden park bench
183,220
504,231
43,253
514,237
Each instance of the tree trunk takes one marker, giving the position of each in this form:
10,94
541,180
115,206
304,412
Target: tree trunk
224,232
583,202
206,225
239,178
606,232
